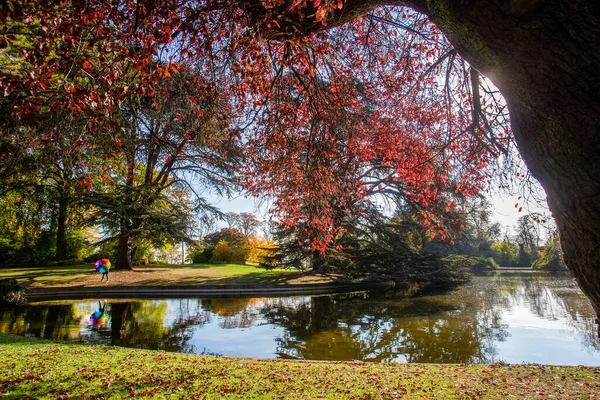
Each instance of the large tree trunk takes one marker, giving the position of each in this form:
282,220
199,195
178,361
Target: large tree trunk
123,260
61,231
317,262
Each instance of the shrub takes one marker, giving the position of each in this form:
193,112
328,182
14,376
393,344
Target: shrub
217,260
231,254
78,246
336,262
503,253
550,257
222,251
240,254
203,256
471,262
93,257
69,262
45,247
262,250
11,292
108,249
487,263
6,250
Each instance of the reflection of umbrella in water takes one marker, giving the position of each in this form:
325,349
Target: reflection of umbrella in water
98,317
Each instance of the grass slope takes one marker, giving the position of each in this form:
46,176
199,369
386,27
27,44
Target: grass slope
33,368
159,275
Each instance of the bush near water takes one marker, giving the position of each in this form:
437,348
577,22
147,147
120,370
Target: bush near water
11,292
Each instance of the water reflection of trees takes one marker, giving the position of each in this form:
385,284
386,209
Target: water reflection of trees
143,324
56,322
460,327
235,312
463,326
140,324
553,297
415,330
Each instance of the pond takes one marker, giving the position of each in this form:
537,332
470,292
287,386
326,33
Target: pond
533,318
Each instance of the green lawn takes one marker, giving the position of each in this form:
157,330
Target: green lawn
163,275
33,368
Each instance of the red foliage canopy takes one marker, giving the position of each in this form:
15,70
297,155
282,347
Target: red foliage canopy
380,105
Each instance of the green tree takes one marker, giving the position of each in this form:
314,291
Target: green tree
550,257
504,253
52,151
527,238
33,223
164,145
22,215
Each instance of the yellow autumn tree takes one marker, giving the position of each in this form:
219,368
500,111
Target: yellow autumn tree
260,249
230,254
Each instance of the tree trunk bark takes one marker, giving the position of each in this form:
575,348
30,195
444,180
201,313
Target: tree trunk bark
133,251
123,261
317,262
61,231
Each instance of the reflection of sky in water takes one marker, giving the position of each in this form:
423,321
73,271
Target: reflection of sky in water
513,319
256,341
547,340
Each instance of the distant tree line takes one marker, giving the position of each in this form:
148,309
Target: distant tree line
401,246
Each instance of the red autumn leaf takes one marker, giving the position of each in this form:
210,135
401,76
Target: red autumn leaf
87,65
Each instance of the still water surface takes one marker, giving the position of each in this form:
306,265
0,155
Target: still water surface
514,318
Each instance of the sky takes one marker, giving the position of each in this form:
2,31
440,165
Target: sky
506,213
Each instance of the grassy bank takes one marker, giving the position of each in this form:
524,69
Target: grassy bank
45,369
159,275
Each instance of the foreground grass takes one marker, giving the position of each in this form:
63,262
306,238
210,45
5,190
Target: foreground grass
45,369
159,275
